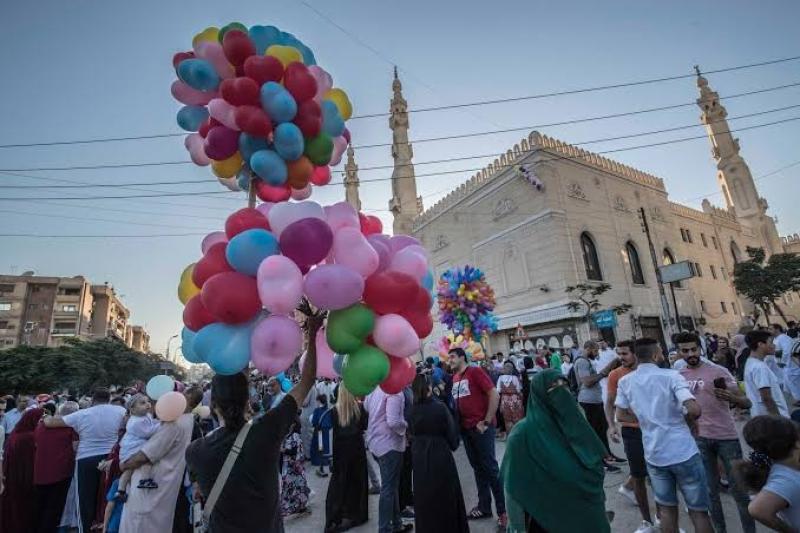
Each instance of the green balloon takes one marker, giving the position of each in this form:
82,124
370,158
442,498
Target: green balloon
229,27
363,369
319,149
348,328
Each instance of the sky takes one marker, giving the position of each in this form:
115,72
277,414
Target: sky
97,69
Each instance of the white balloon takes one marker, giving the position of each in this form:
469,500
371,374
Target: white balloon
282,214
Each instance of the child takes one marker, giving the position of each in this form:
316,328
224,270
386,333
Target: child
294,488
321,441
140,427
113,514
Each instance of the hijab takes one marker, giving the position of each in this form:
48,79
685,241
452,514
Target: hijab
18,506
553,464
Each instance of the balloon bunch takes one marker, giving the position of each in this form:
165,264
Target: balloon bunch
261,109
242,295
530,176
450,341
466,302
170,403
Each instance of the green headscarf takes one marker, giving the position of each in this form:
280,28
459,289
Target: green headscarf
553,464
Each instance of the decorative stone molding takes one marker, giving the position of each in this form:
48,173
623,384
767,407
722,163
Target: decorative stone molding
619,205
656,214
574,190
503,208
441,242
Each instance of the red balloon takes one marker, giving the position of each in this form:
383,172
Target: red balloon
240,91
180,56
212,263
253,120
232,297
207,124
299,82
195,314
421,322
309,118
269,193
370,224
389,292
237,46
422,301
321,176
244,219
401,374
263,69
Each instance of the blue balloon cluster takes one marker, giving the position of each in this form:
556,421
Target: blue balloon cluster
265,36
246,250
199,74
225,347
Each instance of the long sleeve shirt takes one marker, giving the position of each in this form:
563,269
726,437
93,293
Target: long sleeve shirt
387,425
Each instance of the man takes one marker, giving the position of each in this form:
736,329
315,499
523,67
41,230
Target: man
590,396
274,394
12,417
604,357
716,391
760,383
635,488
661,402
98,429
783,345
476,399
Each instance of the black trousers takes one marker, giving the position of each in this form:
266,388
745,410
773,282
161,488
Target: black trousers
597,419
88,484
406,491
50,500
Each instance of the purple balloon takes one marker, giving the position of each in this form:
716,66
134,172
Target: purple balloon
398,242
221,143
384,253
333,287
211,239
307,241
275,343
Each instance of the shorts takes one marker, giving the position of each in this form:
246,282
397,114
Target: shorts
689,476
634,451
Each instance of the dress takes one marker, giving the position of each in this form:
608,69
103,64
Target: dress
294,487
347,490
438,501
322,423
19,499
510,400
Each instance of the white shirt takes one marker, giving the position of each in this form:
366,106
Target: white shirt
757,376
565,368
97,427
509,379
784,343
656,396
603,359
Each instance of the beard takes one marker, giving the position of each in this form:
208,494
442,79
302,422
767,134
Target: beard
693,360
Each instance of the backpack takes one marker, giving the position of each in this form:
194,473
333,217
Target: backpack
572,377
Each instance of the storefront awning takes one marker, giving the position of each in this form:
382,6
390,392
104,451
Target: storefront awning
536,315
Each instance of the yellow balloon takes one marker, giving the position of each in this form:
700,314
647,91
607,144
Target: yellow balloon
209,34
186,287
227,168
339,97
285,54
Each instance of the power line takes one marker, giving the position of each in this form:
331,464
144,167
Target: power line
39,236
91,219
97,140
763,176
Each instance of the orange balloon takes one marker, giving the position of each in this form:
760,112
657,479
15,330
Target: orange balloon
300,172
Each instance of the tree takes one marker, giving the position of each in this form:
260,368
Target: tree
586,297
764,282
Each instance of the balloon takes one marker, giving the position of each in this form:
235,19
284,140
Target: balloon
268,193
254,121
323,79
382,249
227,168
264,208
341,215
244,219
401,374
307,241
321,176
302,194
263,69
288,141
225,348
243,179
187,288
324,357
215,55
246,250
233,26
195,144
339,97
299,82
263,37
209,34
213,262
277,102
410,261
283,214
231,297
332,123
280,284
198,74
195,314
203,411
232,183
309,118
237,46
187,346
285,54
333,287
348,328
394,335
370,224
221,143
207,125
346,135
159,385
339,146
351,249
224,112
275,342
170,406
180,56
191,116
270,167
427,280
389,292
240,91
398,242
299,172
212,238
421,322
319,149
338,362
249,144
363,369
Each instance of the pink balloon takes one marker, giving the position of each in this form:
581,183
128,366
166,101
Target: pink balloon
285,213
211,239
339,146
321,176
307,241
395,336
264,208
398,242
410,261
232,184
190,96
223,112
382,248
212,52
280,284
323,79
170,406
275,343
302,194
324,357
342,215
351,249
333,287
194,144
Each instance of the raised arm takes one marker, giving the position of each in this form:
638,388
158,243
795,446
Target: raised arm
308,373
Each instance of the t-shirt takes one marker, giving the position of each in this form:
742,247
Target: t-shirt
784,481
757,376
585,368
250,500
97,427
603,360
471,395
716,420
116,514
613,381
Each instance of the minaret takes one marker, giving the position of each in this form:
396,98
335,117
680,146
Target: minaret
733,174
351,180
404,205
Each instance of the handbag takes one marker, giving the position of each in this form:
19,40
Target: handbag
202,513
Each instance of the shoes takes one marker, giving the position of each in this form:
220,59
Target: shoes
502,522
407,514
724,484
647,527
321,473
404,528
628,493
375,490
616,459
611,469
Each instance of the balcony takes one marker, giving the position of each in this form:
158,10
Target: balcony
63,332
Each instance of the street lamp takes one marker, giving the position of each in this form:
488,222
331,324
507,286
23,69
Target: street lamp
166,355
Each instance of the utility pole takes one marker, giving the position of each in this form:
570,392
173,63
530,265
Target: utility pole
665,313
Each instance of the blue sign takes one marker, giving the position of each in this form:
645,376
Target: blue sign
605,319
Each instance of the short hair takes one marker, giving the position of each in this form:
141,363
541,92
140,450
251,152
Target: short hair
194,395
459,352
778,327
323,399
101,395
645,348
50,407
67,408
753,338
590,344
627,343
686,337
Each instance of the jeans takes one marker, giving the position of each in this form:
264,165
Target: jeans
391,464
727,451
689,475
480,452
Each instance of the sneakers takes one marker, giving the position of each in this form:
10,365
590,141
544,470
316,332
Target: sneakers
647,527
628,493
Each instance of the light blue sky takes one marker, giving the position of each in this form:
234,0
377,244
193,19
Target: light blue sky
81,69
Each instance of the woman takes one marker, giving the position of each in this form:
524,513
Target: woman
725,356
53,466
438,502
346,504
294,487
553,466
19,505
510,389
742,353
322,423
773,471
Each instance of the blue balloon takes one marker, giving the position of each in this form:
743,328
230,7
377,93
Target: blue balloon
270,167
338,361
308,55
198,74
243,178
427,280
263,37
248,145
159,385
332,123
187,346
288,141
286,383
277,102
224,347
190,117
246,250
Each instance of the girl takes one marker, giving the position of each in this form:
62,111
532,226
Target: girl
322,423
510,389
294,488
140,427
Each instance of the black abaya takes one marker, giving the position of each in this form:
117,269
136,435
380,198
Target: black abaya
438,501
346,502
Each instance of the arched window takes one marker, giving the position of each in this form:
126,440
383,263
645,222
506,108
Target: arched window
735,253
669,259
637,275
590,259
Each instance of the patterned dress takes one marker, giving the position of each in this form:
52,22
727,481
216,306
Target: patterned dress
510,400
294,488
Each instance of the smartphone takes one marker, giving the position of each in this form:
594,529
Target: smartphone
719,383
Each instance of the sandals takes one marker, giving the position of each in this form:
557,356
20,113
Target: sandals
477,514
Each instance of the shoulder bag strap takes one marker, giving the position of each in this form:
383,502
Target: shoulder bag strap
230,460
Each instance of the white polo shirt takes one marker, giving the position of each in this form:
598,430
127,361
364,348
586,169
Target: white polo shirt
656,396
757,376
